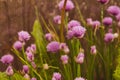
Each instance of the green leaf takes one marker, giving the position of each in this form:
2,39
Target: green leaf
3,76
39,36
17,76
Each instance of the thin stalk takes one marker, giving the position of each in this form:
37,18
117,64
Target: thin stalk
62,22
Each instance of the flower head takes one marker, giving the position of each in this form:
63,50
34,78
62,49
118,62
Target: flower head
80,58
70,34
57,19
114,10
64,59
107,21
45,66
79,78
7,59
53,47
95,24
48,37
18,45
30,56
89,21
93,49
79,31
64,48
118,17
27,77
72,24
9,71
69,5
109,37
23,36
33,78
56,76
31,48
103,1
25,69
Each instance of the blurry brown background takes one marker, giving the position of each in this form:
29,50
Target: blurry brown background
16,15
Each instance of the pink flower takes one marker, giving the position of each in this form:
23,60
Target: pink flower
33,79
18,45
64,48
109,37
103,1
70,34
64,59
73,23
9,71
69,5
57,19
114,10
80,58
107,21
79,31
56,76
89,21
27,77
23,36
53,47
30,56
25,69
48,37
79,78
93,49
95,24
31,48
7,59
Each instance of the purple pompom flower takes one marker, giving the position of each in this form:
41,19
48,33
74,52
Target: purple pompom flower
118,17
53,47
80,58
33,78
89,21
103,1
109,37
64,48
93,49
18,45
30,56
7,59
56,76
57,19
69,5
27,77
70,34
107,21
114,10
72,24
23,36
25,69
31,48
96,24
48,37
79,78
64,59
79,31
9,71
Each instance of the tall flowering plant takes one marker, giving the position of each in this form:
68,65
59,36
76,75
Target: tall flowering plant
76,50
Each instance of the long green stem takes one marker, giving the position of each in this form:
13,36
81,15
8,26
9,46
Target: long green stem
17,53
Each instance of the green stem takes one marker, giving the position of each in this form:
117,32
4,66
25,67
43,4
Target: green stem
17,53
